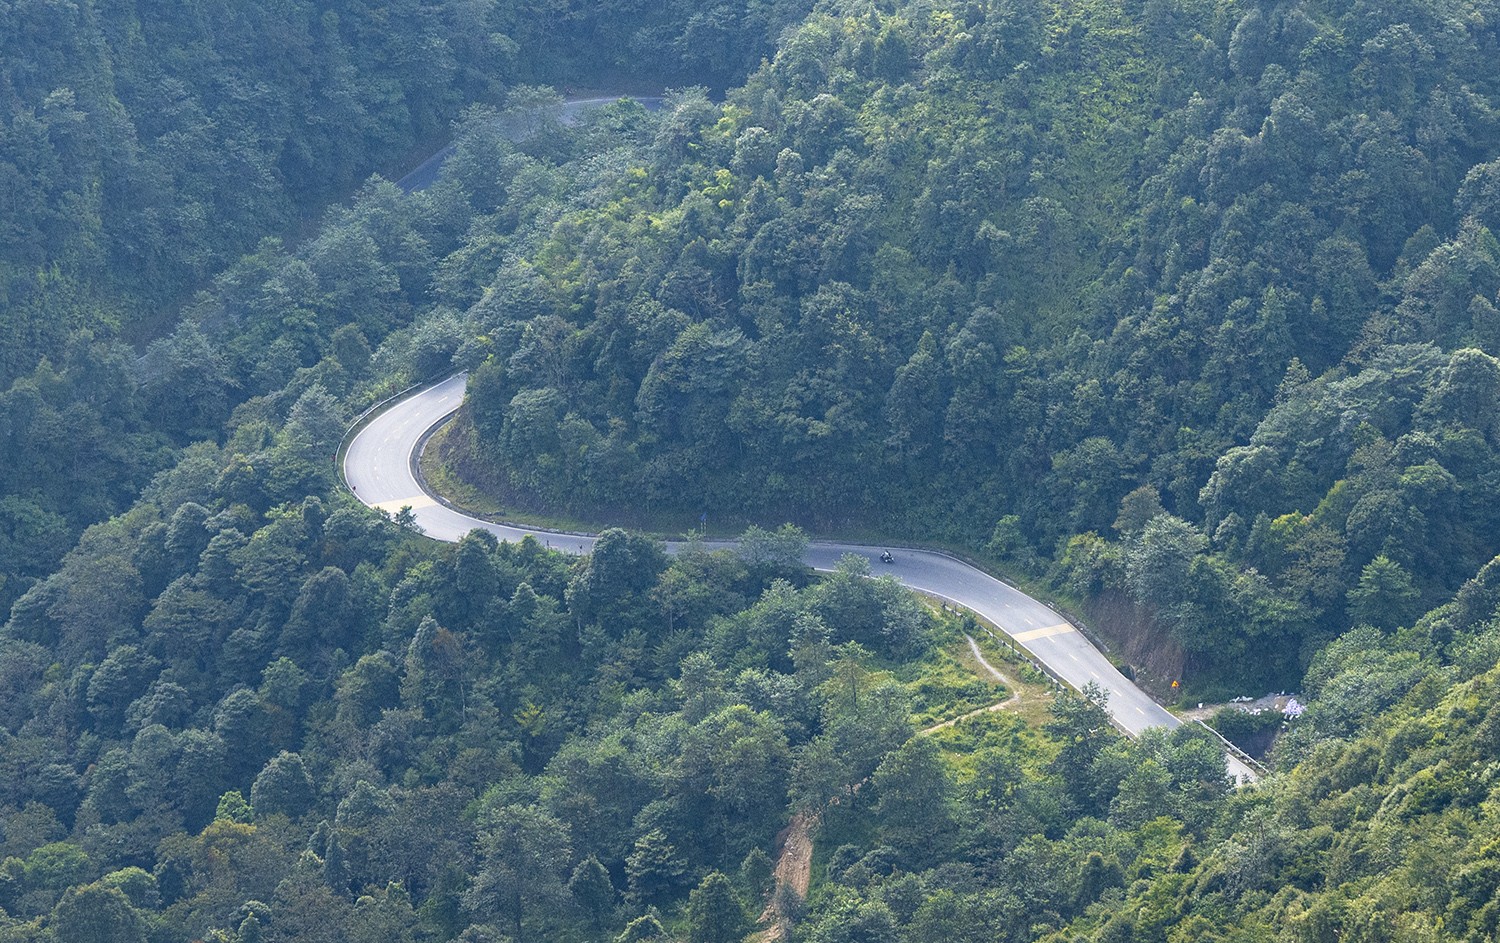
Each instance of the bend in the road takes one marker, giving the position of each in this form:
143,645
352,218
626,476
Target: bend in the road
426,173
380,468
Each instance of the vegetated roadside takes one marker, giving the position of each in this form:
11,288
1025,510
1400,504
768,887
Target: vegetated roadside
447,469
958,671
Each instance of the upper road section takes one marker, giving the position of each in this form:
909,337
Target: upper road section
426,173
379,466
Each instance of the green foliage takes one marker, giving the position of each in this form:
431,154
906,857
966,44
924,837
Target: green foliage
1250,732
97,913
523,851
955,269
1021,276
715,914
592,888
756,877
654,868
233,808
914,797
1384,596
283,787
416,718
642,929
154,164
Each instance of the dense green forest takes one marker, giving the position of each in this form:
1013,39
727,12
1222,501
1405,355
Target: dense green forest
1195,304
1187,310
237,715
146,148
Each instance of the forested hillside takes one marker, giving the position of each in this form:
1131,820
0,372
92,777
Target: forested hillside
251,709
238,715
145,147
1380,828
1195,302
628,45
1188,309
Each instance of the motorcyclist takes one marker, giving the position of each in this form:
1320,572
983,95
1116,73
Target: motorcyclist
885,557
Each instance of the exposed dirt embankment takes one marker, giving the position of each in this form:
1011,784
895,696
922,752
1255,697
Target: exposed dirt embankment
1146,647
451,449
793,875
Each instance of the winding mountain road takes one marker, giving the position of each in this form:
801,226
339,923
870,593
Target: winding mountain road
426,173
379,467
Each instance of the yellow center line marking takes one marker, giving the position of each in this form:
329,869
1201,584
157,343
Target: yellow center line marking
1062,628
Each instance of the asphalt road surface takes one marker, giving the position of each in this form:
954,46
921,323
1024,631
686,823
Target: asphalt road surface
379,468
426,173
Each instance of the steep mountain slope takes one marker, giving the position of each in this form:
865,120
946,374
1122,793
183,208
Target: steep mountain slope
999,274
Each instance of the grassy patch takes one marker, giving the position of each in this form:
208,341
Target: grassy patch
1033,689
988,729
1015,728
941,684
949,683
442,478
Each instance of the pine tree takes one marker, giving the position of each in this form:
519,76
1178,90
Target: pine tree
715,915
592,888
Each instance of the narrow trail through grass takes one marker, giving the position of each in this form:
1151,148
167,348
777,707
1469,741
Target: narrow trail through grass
794,846
1015,694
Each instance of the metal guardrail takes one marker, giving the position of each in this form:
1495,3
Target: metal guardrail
1010,645
1239,754
1059,684
1005,641
1067,614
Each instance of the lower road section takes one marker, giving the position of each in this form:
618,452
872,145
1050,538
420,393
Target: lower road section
379,465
